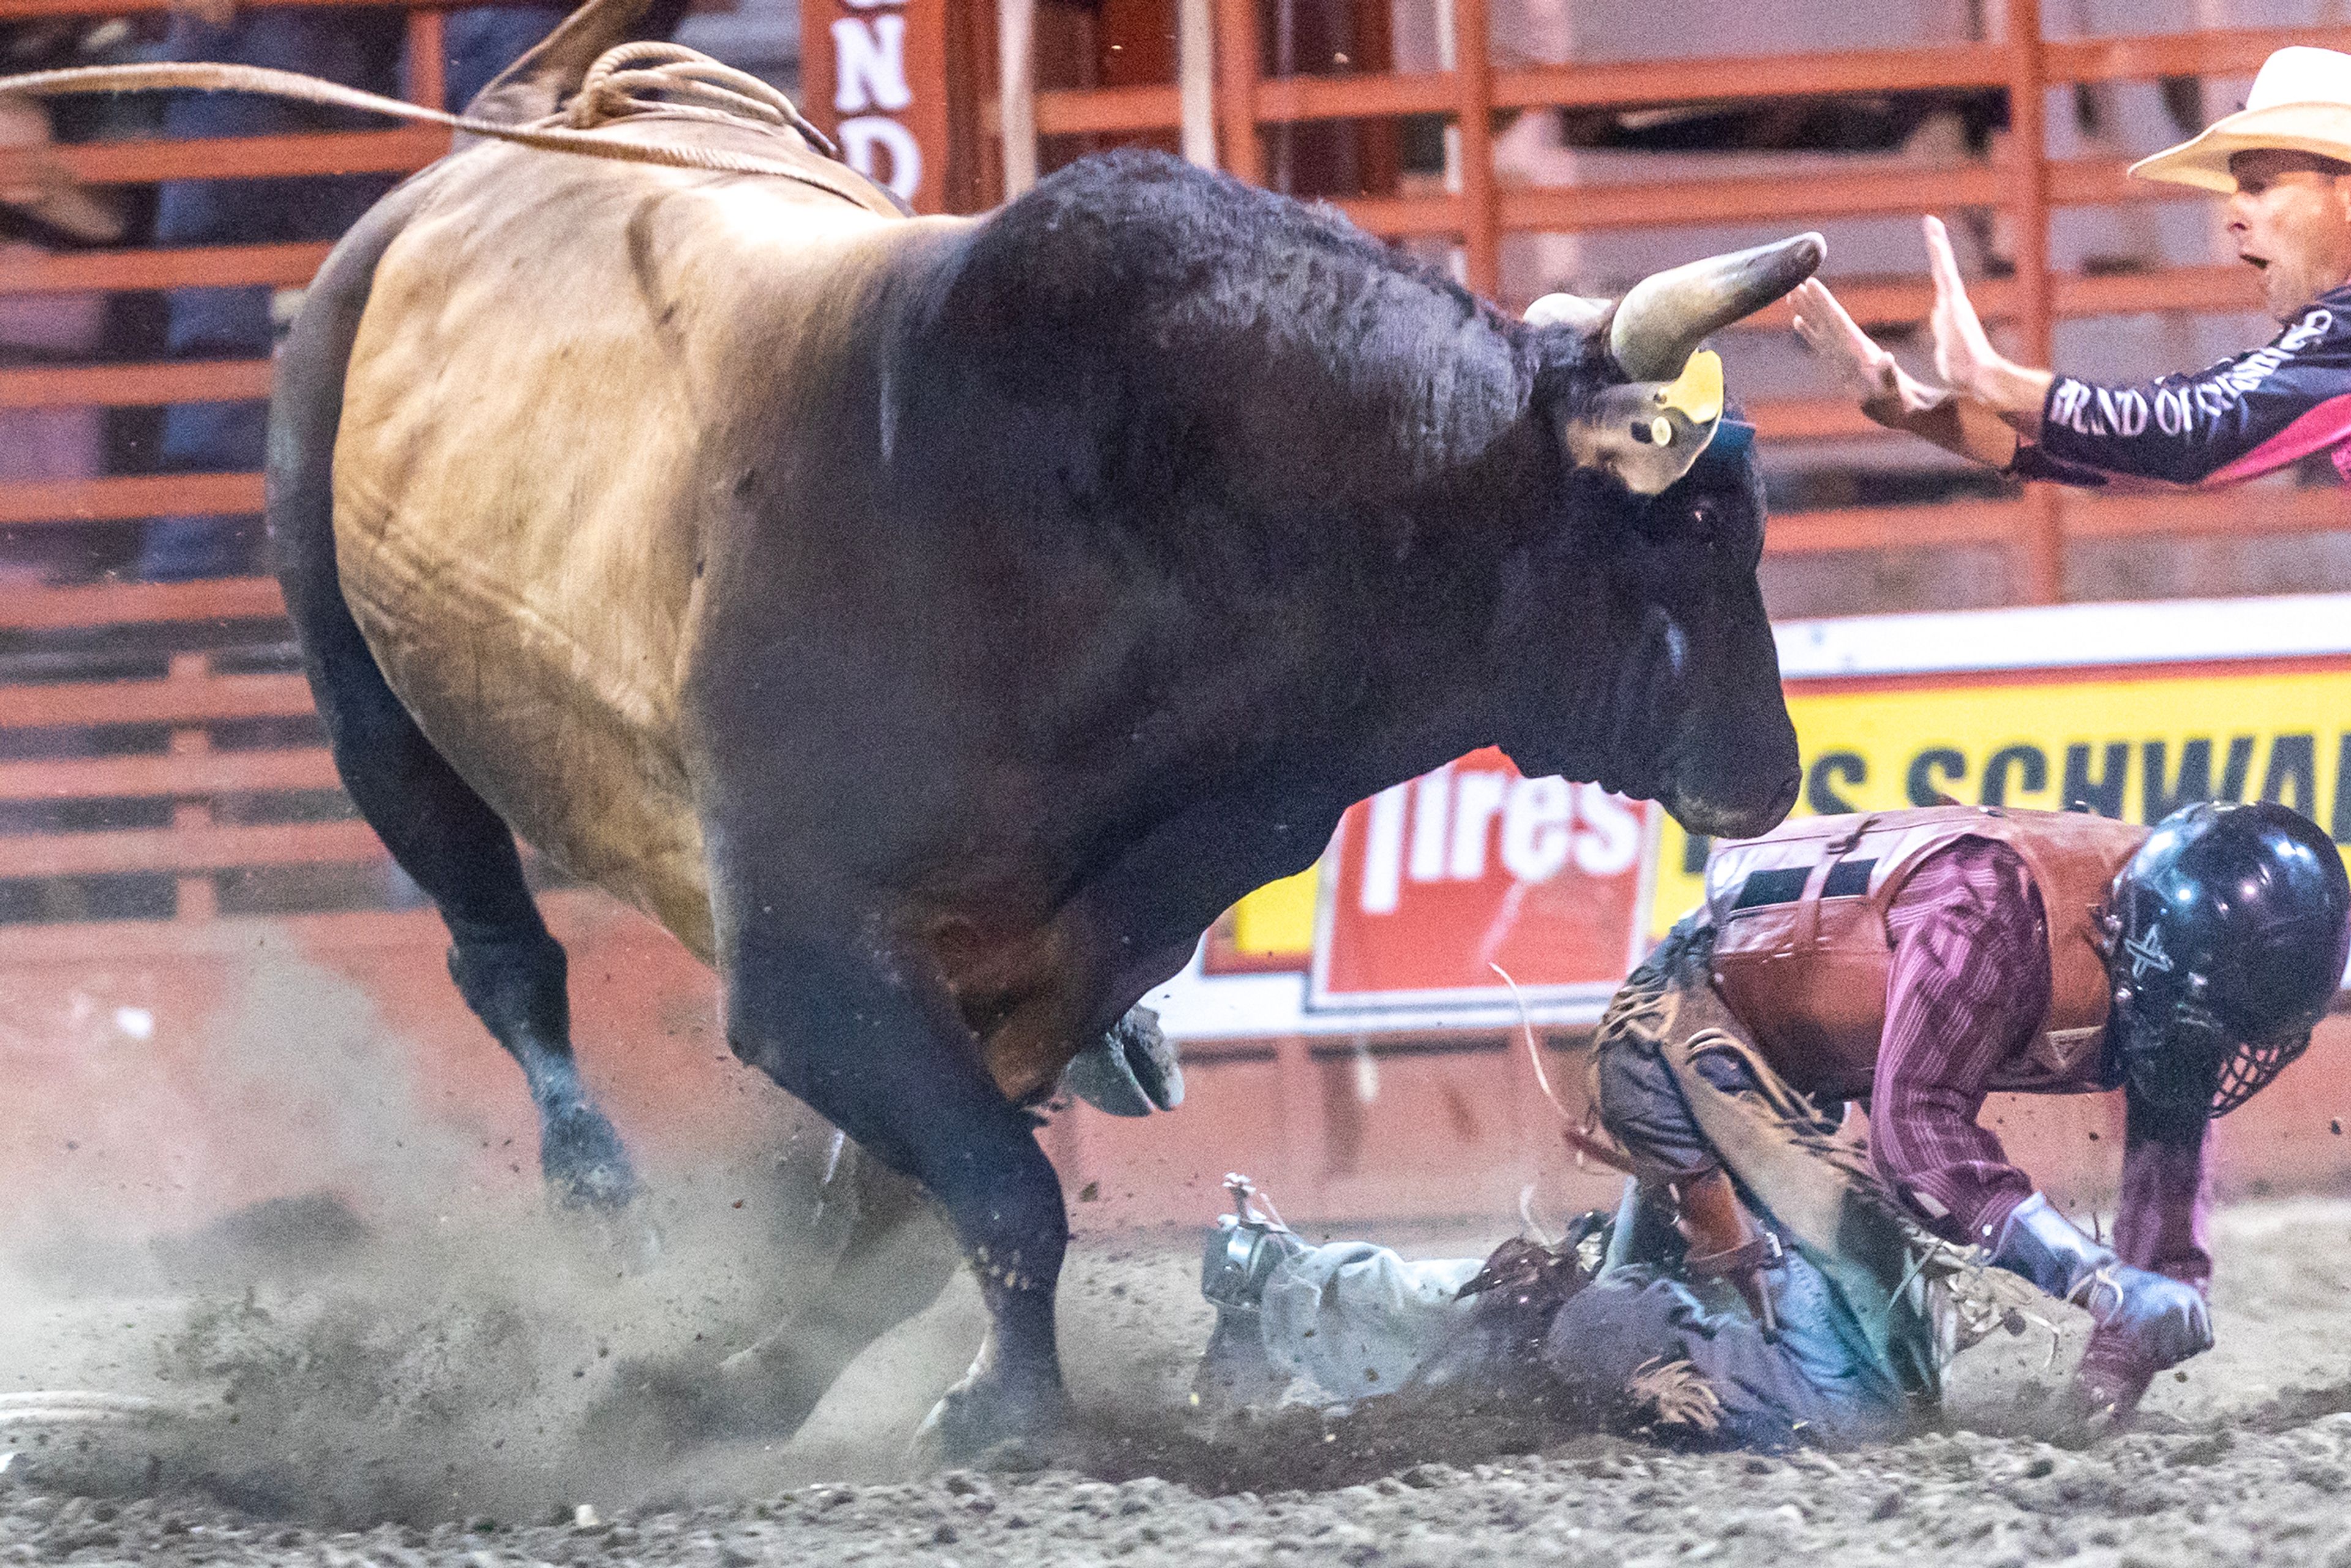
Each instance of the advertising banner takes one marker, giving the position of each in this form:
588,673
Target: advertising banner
1432,887
2131,744
875,79
2128,710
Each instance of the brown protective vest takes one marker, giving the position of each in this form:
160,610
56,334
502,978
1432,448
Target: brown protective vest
1802,953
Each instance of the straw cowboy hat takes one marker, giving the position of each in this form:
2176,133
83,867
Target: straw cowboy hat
2301,102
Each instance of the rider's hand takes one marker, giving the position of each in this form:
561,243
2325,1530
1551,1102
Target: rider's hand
2164,1320
2111,1378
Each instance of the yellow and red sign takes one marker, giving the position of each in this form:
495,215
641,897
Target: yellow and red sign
2134,743
1439,887
1428,885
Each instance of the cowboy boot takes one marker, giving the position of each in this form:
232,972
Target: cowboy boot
1242,1254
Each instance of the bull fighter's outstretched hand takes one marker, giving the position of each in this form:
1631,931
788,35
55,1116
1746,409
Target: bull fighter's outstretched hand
1892,395
1887,390
1964,356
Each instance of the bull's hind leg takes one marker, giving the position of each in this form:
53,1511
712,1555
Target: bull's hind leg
898,1256
510,970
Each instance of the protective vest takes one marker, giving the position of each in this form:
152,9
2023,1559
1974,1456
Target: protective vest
1802,952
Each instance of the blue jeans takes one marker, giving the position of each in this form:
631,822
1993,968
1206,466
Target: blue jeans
357,48
1357,1321
1822,1380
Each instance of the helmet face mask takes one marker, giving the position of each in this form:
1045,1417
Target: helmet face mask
2226,938
2175,1056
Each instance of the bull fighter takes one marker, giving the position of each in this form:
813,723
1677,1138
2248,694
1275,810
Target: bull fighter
1767,1281
2285,164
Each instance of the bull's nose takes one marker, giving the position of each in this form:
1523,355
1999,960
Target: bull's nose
1716,820
1783,801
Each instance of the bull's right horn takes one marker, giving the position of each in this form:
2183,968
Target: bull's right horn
1665,315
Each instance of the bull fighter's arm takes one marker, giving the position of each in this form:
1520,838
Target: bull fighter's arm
2241,417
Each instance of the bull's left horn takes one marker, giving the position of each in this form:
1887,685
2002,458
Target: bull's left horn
1579,312
1668,314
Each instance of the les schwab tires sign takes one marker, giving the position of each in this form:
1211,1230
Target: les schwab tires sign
1435,889
2128,710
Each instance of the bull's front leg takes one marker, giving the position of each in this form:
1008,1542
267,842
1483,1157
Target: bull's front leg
884,1057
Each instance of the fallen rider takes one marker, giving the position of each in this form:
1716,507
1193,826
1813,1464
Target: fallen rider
1767,1278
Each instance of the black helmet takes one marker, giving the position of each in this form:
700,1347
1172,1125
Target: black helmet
2227,934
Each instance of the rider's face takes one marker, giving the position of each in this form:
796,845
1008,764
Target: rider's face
2291,220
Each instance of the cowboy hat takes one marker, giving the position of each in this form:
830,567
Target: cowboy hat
2301,102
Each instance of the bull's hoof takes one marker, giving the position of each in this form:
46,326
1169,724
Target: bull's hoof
583,1160
986,1427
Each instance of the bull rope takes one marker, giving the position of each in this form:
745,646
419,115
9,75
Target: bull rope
1577,1133
616,88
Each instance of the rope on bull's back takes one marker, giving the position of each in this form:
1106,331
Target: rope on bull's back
699,88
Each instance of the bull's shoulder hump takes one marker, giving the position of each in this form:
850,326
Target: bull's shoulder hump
531,209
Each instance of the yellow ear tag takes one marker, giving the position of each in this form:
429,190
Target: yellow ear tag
1697,394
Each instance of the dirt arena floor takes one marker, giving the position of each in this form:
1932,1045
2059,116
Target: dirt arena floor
454,1391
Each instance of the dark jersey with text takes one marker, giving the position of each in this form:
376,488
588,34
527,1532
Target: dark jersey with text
2243,416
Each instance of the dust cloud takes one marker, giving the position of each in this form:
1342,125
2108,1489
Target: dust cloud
406,1328
396,1353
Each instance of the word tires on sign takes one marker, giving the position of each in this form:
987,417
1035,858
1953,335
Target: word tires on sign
1431,886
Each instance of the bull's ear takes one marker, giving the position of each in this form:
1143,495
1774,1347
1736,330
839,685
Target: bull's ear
1648,433
1579,312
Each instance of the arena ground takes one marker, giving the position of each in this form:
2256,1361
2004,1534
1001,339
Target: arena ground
457,1389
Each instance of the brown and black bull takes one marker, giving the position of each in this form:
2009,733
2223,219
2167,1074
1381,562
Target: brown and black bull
934,623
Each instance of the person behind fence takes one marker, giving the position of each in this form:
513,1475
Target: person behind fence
2285,164
358,47
1766,1278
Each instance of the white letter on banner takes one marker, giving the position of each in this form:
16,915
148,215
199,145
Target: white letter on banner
1383,852
1614,842
1534,829
861,136
1431,800
1475,803
871,61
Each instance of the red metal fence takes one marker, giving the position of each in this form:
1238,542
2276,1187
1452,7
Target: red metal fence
2023,185
170,803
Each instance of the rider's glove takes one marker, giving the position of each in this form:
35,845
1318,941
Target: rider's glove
2112,1377
2162,1320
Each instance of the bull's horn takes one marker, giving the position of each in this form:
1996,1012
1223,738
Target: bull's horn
1664,317
1575,310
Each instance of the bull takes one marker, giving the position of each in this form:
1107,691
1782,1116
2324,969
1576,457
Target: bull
934,623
